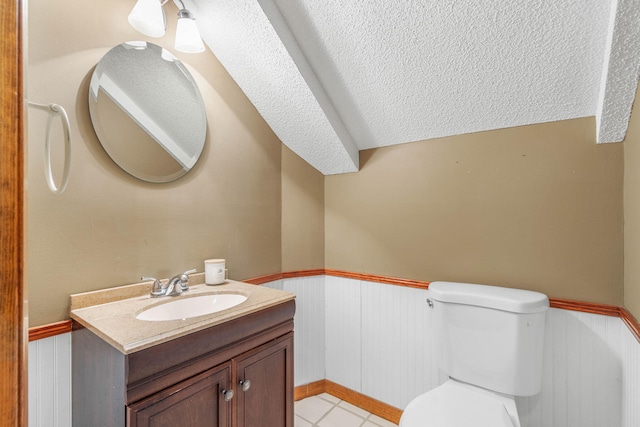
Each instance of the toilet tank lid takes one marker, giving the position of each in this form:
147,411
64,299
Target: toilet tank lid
506,299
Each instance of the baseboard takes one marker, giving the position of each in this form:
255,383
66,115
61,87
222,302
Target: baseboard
369,404
308,390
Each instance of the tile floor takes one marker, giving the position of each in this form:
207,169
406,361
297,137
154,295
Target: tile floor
325,410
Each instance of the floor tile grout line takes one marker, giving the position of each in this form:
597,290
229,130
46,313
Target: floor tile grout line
325,415
335,405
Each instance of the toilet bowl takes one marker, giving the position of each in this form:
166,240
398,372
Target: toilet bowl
488,340
455,404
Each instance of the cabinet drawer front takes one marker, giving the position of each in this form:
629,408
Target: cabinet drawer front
196,402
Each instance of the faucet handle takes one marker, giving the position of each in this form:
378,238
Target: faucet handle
156,290
184,279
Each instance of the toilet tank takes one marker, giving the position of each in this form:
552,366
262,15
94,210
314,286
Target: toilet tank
489,336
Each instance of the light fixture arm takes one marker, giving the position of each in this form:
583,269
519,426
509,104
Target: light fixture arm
184,13
178,3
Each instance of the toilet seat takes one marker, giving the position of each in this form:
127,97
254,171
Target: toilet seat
455,404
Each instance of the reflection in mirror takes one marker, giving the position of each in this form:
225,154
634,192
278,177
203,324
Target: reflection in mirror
147,111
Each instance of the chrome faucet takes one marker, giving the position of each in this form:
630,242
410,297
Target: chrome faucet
174,286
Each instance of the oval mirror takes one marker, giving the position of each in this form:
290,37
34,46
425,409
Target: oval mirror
147,111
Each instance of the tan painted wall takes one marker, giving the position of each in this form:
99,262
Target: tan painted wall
632,214
302,214
536,207
108,228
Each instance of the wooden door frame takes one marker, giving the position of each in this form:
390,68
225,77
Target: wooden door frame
13,362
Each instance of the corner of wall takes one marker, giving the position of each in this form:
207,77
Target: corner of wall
631,199
302,214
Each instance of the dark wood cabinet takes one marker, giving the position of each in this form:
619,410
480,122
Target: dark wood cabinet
258,395
261,379
236,374
196,402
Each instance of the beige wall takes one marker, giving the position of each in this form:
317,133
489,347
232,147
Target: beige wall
108,228
536,207
302,214
632,215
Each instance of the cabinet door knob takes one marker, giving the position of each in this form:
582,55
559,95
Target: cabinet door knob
228,395
246,384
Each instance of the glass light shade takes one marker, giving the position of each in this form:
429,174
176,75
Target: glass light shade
148,17
188,38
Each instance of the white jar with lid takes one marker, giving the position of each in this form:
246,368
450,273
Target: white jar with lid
214,271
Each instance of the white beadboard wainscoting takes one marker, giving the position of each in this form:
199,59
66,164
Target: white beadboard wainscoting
376,339
630,379
309,336
50,382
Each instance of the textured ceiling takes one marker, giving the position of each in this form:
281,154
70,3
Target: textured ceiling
335,77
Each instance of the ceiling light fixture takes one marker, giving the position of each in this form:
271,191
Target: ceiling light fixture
148,17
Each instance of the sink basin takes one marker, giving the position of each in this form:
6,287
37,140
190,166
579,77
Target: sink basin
185,308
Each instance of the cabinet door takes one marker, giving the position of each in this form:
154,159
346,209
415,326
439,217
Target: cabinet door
196,402
264,384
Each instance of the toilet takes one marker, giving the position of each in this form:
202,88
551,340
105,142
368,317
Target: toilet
489,341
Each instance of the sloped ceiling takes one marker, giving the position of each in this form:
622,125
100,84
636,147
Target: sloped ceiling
334,77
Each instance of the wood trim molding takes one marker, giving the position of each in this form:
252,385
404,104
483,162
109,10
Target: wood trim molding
585,307
369,404
303,273
53,329
287,275
264,279
13,366
312,389
378,279
339,273
602,309
563,304
632,322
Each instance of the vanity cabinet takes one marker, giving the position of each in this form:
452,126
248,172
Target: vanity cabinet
235,374
261,378
195,402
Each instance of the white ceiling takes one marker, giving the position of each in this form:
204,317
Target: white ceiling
334,77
